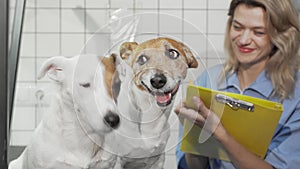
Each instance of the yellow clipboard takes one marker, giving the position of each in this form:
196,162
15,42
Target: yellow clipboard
251,121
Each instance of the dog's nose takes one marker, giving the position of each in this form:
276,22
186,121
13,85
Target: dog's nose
112,119
158,81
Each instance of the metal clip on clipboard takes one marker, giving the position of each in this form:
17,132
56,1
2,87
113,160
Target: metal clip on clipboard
235,104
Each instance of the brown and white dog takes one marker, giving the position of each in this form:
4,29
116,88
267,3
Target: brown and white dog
154,71
72,133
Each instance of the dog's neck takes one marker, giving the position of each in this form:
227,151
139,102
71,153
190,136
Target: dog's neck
155,118
144,128
63,122
142,110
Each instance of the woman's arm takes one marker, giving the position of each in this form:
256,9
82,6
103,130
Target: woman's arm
239,155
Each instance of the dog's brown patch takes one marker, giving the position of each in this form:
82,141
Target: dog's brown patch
110,69
139,86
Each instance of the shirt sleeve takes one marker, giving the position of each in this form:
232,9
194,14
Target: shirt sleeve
284,150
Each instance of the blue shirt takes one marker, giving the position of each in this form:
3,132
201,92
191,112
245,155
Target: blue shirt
284,149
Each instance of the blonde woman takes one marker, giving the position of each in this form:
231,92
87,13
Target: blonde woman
262,43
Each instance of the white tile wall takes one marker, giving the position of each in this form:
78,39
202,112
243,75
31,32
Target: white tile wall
77,41
24,120
217,20
121,4
97,43
64,27
20,137
216,43
195,24
30,3
29,19
26,69
148,21
170,22
95,19
217,4
72,20
146,4
47,3
96,4
170,4
28,45
47,44
195,4
47,20
72,3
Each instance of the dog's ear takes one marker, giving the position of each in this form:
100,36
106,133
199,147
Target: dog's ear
126,50
116,59
191,60
53,68
111,74
109,60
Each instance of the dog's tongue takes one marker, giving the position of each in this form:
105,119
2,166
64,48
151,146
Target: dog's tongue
163,98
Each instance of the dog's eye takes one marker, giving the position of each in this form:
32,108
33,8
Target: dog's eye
173,54
85,85
142,59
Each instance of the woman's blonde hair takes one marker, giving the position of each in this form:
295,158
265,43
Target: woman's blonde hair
284,31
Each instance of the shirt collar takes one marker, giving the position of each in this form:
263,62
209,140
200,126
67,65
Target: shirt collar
262,84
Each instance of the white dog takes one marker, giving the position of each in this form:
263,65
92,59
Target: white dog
70,136
153,74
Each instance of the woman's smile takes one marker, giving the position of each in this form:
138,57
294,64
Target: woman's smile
246,49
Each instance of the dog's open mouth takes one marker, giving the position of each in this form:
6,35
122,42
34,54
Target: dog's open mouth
164,98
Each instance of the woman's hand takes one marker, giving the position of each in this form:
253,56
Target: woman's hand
202,116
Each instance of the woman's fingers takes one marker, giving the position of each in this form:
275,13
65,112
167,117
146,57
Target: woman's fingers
178,107
202,109
192,115
177,111
211,121
202,116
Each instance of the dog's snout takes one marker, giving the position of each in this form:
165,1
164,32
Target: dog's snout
158,81
112,119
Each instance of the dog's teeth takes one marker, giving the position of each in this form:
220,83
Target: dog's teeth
175,89
163,98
